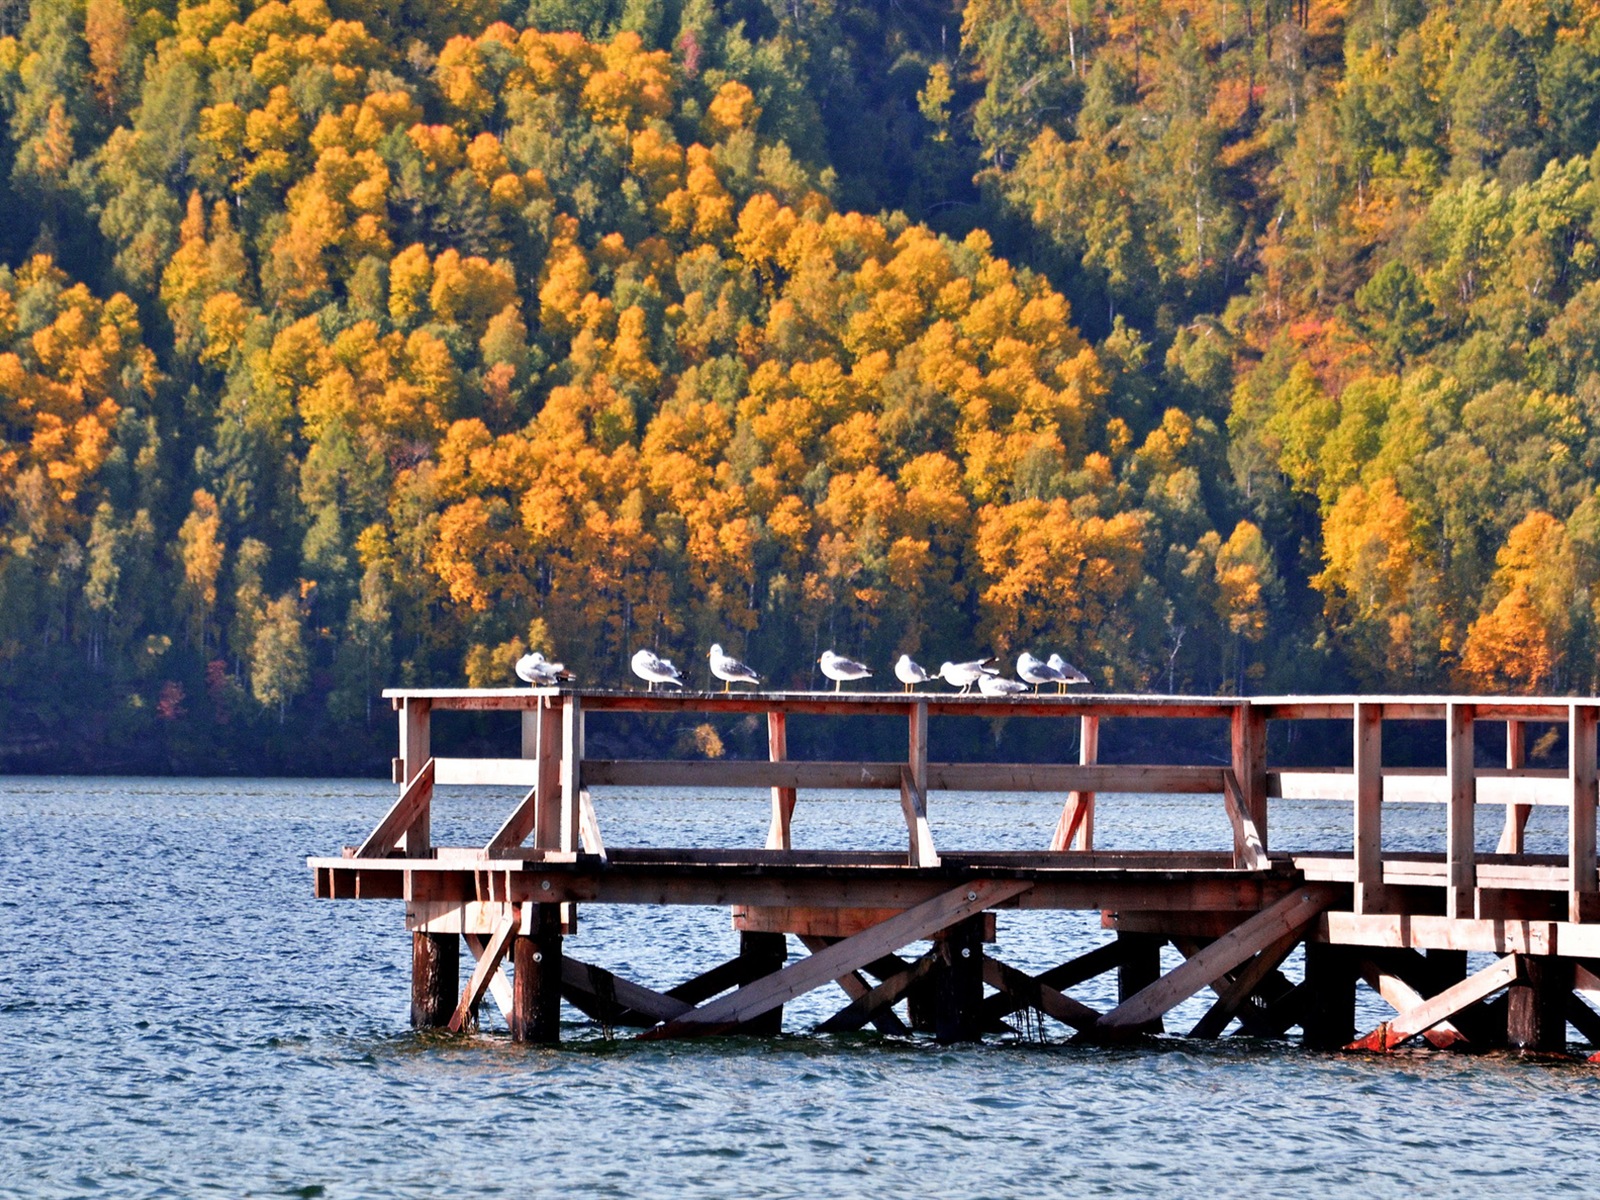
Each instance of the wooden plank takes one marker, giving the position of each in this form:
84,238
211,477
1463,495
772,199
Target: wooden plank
485,772
948,777
547,805
866,1006
488,963
1400,995
589,827
1068,974
572,782
842,957
917,745
608,988
407,814
1583,881
1586,983
1248,742
1512,835
499,985
1462,883
1248,852
1584,1019
1291,913
1029,992
1421,1017
1075,828
914,806
779,834
885,1019
1244,984
1420,785
415,756
1368,751
516,827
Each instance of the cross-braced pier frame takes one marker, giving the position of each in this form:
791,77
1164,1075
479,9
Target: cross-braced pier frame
1404,923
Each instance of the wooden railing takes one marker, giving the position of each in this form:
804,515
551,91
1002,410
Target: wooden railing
556,816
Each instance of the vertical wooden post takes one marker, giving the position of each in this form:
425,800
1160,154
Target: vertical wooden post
571,770
1088,754
779,835
1329,1013
1249,745
1511,837
415,751
1139,968
1536,1005
1461,879
917,746
435,978
536,976
760,955
1582,895
547,799
1369,892
958,982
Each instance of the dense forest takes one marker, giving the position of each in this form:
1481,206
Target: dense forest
1225,346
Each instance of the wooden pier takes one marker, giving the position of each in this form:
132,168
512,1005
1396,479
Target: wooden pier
1403,923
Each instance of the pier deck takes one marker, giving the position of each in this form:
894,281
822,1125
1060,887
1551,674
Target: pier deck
1403,923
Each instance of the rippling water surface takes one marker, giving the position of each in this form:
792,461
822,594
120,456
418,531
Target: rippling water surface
179,1017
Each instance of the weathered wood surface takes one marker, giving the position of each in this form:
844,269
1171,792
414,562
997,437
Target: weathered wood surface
1421,1017
828,964
941,777
1401,996
488,963
1290,914
404,817
1028,991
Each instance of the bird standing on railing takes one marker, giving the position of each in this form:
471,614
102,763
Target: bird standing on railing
839,668
654,670
964,675
729,669
536,670
1069,673
1036,671
910,673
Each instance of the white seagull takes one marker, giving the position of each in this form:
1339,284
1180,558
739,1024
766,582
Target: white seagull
1069,673
839,668
910,673
1036,671
964,675
993,685
535,669
655,670
729,669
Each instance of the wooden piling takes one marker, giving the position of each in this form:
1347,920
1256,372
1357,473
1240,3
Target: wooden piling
958,982
1536,1004
1139,968
435,978
1328,1015
760,955
536,977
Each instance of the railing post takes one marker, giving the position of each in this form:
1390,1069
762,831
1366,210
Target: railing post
1583,884
1249,744
415,714
1461,878
1088,755
571,770
917,746
1511,837
547,778
1368,759
779,834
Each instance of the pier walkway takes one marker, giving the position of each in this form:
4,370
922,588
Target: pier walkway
1404,923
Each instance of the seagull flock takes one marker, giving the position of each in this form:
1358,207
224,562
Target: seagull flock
539,671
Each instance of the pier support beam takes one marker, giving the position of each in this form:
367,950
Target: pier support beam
760,955
435,978
958,982
1139,968
1536,1005
1329,1016
536,978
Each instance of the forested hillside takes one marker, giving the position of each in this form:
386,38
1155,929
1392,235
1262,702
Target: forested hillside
1235,346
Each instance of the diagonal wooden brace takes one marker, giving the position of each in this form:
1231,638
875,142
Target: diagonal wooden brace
1032,993
412,806
915,806
855,986
1430,1012
1400,995
1249,853
488,963
1293,912
1249,977
499,985
829,964
868,1005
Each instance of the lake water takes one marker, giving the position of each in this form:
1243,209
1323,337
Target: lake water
179,1017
